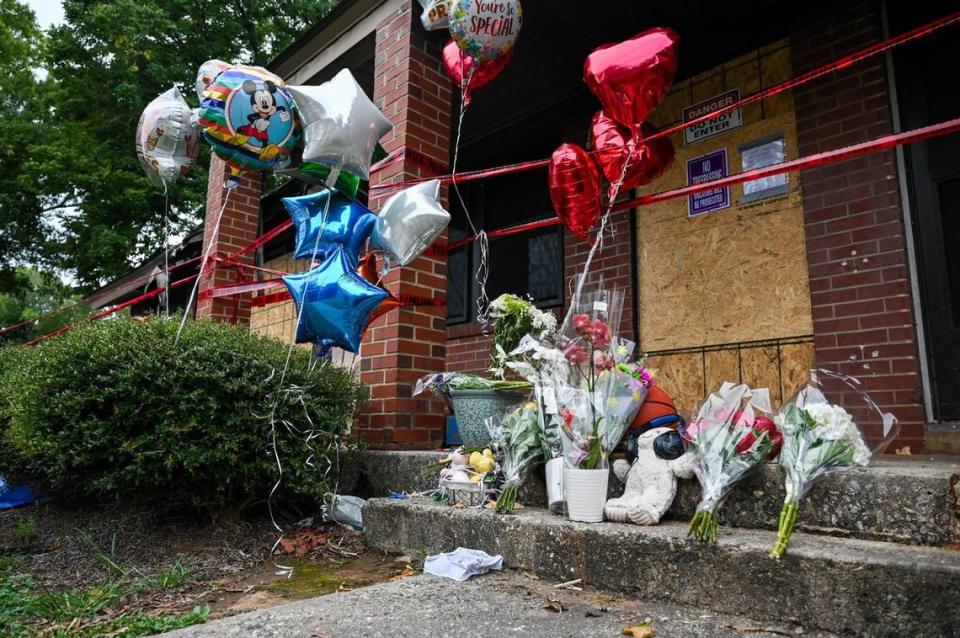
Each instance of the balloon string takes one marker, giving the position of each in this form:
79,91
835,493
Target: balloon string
597,243
483,269
276,397
203,264
166,249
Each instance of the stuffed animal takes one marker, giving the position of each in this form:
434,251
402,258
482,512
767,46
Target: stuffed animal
651,481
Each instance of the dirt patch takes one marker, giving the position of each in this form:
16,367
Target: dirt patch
230,566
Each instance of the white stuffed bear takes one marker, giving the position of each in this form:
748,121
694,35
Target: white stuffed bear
651,482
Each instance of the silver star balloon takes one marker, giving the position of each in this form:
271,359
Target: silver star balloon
410,221
341,125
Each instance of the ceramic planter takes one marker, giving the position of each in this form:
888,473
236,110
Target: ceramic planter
585,492
472,409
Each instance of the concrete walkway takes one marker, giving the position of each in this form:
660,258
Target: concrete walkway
500,604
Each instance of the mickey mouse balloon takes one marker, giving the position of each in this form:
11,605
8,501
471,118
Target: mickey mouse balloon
167,144
486,30
247,117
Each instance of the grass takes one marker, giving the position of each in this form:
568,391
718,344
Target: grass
26,529
27,608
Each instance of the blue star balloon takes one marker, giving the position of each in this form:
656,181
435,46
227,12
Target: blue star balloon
336,302
348,224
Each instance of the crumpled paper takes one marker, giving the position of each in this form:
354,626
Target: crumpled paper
462,563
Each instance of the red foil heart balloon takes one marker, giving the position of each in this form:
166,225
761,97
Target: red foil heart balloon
575,189
459,65
613,145
630,78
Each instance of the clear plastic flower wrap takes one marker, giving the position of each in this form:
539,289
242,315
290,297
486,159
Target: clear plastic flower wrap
516,437
441,383
586,401
730,437
821,437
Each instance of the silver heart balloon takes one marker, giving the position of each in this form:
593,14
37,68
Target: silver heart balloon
341,125
167,143
410,221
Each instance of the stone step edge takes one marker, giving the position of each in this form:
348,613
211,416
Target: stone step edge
912,503
845,585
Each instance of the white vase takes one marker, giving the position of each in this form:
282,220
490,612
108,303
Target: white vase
585,492
554,470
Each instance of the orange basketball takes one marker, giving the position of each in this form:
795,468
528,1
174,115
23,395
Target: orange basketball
657,404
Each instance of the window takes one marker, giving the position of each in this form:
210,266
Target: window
528,263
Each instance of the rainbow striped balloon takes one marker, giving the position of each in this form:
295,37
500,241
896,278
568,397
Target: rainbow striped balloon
248,117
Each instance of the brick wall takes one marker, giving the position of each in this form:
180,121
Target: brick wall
238,227
859,283
415,94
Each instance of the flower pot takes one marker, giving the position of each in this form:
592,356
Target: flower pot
554,471
585,492
472,409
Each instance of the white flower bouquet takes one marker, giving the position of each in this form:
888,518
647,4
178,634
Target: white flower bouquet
730,438
819,438
516,437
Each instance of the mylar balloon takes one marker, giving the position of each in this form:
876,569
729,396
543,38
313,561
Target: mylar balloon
341,126
346,225
367,268
613,145
167,144
207,73
631,78
486,29
336,303
410,221
436,14
460,66
247,117
347,183
575,189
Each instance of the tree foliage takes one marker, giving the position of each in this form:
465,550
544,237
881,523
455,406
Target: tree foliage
73,195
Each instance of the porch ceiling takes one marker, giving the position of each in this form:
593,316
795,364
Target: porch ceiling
542,87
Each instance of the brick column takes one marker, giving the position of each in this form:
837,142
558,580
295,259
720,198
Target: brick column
863,317
238,227
413,91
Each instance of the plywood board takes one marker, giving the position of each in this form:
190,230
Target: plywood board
796,361
721,365
734,275
760,368
681,376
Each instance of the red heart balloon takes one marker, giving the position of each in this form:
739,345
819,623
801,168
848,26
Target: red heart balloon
458,65
630,78
575,189
613,145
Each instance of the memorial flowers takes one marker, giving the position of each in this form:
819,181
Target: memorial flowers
517,438
818,438
730,438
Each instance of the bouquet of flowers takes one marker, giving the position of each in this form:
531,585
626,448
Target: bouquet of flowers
517,438
596,400
729,440
819,437
514,318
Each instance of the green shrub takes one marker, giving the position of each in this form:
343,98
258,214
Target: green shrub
114,410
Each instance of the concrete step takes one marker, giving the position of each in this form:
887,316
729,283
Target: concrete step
500,604
903,501
848,586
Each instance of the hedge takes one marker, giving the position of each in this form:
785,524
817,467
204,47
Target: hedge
114,410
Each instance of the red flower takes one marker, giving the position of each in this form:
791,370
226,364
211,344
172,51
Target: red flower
575,353
760,425
581,323
600,334
763,424
601,361
567,417
746,443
